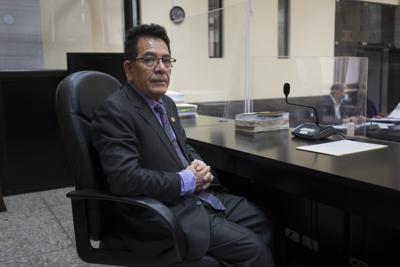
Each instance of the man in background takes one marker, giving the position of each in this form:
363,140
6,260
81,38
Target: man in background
331,107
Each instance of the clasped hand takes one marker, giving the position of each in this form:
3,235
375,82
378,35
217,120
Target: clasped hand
202,174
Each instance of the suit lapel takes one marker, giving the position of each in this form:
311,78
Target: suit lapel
148,116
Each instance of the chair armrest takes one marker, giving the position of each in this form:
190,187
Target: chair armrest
145,202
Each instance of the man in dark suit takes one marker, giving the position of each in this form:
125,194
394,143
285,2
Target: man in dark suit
143,151
336,110
331,107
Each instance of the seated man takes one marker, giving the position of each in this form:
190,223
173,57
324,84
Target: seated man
371,109
143,152
331,106
334,109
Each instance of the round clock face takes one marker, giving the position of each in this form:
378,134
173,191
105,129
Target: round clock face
177,14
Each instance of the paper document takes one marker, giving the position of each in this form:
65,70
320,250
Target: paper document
381,125
395,114
385,120
342,147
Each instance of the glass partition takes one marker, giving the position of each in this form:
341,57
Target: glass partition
336,87
238,83
215,85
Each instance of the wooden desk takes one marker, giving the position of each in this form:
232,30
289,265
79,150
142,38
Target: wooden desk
335,200
203,121
365,183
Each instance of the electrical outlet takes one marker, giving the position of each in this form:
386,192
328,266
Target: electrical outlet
315,245
306,241
292,235
309,243
357,263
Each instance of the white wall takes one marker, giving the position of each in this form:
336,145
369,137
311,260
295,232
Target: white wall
264,25
96,25
202,78
309,68
312,27
205,79
79,26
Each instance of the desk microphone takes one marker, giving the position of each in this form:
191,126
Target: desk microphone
308,130
286,91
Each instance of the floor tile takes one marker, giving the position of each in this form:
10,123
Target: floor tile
63,214
23,204
37,230
65,257
23,234
56,197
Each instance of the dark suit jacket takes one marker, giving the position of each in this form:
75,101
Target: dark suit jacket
326,111
138,159
371,108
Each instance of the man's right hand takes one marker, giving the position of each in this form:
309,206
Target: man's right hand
202,174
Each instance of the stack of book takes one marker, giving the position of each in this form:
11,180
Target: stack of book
184,109
262,121
176,96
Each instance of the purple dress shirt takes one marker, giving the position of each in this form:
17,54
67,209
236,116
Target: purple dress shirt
188,181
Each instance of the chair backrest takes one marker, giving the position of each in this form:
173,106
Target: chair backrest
77,97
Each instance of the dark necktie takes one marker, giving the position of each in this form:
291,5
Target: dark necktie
160,109
203,195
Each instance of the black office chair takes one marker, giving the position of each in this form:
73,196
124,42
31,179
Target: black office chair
77,97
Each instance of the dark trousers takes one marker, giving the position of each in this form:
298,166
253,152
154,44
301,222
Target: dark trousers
241,235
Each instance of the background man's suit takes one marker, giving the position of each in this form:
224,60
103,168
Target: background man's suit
326,109
139,159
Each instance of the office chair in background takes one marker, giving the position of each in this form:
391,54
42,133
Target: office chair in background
77,97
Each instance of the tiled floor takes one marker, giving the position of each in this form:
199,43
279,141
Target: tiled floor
37,230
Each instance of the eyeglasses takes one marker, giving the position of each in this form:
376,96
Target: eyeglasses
150,61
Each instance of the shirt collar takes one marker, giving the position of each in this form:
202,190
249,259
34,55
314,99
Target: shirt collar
334,101
151,102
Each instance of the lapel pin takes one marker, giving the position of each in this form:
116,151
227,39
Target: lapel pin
173,119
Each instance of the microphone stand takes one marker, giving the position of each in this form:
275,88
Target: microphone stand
314,109
309,130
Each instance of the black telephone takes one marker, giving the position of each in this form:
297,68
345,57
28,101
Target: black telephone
313,131
309,130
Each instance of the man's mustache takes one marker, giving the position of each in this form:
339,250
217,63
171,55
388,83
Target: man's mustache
159,79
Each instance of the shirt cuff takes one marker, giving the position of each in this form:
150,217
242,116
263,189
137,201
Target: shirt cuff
188,182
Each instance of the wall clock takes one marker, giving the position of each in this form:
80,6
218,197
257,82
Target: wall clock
177,14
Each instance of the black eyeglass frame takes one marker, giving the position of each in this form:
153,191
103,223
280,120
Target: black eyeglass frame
155,63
